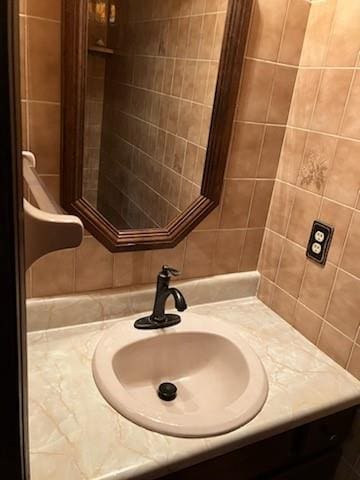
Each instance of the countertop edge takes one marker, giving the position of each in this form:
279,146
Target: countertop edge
151,472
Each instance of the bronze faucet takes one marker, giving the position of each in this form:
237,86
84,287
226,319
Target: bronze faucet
158,318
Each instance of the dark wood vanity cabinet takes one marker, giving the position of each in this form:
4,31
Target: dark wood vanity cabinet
311,451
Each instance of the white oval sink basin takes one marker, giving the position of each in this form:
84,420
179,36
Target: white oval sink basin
221,383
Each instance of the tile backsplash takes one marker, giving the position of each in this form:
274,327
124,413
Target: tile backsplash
229,240
319,178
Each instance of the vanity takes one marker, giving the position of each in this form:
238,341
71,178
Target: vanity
75,434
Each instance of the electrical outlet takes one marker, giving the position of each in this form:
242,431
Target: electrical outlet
319,236
319,242
316,248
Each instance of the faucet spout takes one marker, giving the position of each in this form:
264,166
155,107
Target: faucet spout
158,318
180,302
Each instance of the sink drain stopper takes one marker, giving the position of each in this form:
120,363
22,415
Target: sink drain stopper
167,391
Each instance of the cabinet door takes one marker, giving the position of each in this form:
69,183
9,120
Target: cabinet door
322,467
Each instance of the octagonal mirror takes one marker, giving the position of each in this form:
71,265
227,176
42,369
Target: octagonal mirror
148,93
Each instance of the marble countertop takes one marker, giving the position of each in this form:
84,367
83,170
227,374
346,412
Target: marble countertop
76,435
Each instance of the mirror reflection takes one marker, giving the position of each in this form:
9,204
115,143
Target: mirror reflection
152,69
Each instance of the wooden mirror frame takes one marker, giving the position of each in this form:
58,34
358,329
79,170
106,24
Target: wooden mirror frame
74,61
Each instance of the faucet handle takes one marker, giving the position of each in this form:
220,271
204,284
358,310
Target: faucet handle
169,271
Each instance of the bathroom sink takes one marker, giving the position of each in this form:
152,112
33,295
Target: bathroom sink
221,383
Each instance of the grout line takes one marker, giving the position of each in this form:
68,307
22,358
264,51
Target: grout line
250,204
330,34
183,256
285,236
200,36
237,229
113,270
261,151
271,204
260,261
212,92
266,124
221,208
186,48
327,306
46,102
212,100
302,281
286,16
44,19
181,89
250,29
340,262
254,180
329,199
257,179
183,177
172,80
316,99
25,4
241,254
301,67
301,163
352,349
347,101
270,62
242,76
48,174
178,17
268,110
327,67
301,129
276,278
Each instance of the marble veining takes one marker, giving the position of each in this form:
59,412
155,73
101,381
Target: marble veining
76,435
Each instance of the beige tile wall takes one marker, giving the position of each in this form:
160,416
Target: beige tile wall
40,86
160,86
230,238
319,178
